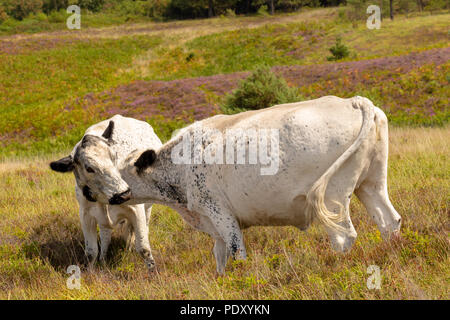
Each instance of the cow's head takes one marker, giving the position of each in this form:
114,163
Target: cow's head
94,166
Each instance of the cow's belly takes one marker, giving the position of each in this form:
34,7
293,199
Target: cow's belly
290,213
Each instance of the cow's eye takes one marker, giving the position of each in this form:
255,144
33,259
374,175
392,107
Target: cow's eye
89,169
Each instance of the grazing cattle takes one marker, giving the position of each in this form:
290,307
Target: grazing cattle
93,161
321,151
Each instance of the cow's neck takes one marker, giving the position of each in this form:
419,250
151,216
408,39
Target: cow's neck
164,182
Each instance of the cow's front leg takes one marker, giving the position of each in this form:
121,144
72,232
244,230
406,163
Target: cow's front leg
203,223
221,255
88,211
105,240
139,222
148,212
232,238
89,228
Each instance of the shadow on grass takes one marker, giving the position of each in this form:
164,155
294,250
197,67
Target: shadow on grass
59,241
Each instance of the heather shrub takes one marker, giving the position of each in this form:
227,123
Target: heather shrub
260,90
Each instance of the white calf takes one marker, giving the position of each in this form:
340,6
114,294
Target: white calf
93,162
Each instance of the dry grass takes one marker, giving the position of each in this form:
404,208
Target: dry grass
40,236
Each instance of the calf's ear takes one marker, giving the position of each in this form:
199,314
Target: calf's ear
62,165
109,131
145,160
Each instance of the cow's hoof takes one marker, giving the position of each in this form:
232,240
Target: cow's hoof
151,266
343,244
102,261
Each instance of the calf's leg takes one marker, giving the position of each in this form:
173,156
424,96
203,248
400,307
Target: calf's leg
105,240
138,220
89,227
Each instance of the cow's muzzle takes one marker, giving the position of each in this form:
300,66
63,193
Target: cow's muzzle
120,198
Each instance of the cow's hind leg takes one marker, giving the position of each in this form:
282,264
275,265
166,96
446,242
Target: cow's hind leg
379,207
373,192
341,241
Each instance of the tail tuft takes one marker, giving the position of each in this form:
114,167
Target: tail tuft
315,199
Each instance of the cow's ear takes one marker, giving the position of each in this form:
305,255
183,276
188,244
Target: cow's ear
109,131
62,165
145,160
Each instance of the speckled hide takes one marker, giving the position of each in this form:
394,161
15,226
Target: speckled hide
327,149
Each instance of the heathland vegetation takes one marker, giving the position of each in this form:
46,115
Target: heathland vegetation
55,84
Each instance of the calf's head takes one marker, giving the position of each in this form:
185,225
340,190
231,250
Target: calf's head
95,168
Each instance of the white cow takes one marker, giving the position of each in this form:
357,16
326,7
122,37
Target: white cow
321,151
119,136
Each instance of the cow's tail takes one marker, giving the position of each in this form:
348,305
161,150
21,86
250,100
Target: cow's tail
315,199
